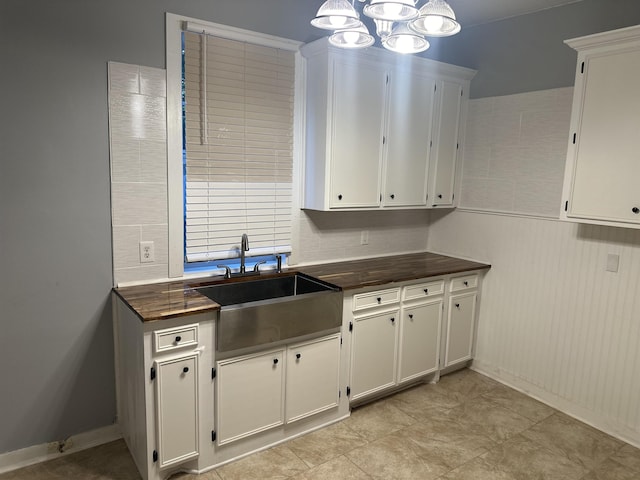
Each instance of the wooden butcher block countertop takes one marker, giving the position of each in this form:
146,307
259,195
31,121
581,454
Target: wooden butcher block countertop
160,301
383,270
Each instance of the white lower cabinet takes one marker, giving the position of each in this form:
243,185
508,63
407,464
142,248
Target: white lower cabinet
264,390
313,374
250,393
419,340
373,352
461,319
398,335
177,409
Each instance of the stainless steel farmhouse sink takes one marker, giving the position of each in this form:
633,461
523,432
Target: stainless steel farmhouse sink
260,311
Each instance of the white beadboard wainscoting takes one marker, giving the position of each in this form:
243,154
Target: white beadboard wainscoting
553,322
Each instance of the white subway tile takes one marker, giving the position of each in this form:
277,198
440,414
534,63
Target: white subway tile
153,161
126,252
125,159
139,204
124,78
153,81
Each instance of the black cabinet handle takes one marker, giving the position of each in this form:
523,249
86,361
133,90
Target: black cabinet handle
178,338
466,284
635,210
439,195
298,356
411,316
275,361
426,290
393,320
379,299
185,369
340,197
457,305
392,196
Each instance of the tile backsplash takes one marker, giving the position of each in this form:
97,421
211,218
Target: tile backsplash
138,139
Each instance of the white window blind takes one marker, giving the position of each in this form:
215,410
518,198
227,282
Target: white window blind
239,100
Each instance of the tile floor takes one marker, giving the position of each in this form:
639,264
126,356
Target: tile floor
467,427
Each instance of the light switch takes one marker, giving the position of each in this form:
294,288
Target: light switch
613,261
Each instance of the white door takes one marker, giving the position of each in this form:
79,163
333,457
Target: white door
250,393
357,118
177,409
313,370
410,107
607,169
419,340
373,353
460,325
444,154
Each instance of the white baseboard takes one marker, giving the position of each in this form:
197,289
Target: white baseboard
47,451
591,418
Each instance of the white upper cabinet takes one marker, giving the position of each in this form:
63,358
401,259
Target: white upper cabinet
407,141
369,124
446,143
603,161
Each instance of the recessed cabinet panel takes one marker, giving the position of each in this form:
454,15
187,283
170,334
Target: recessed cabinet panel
313,370
356,134
373,353
446,143
177,409
250,395
607,165
460,327
419,340
410,106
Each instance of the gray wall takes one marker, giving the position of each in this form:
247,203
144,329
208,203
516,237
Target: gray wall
55,248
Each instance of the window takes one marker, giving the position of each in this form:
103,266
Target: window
237,147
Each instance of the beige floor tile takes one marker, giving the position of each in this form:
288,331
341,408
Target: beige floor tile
421,401
377,419
629,457
579,442
467,383
445,442
478,469
520,403
338,468
325,444
611,470
482,416
274,464
211,475
395,457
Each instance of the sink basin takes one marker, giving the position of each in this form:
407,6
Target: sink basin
260,311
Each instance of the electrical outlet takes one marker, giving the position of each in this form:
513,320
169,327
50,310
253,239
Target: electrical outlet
147,253
364,237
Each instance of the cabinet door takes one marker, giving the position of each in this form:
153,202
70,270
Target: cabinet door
177,409
460,327
313,370
410,107
250,393
373,353
607,162
357,116
419,340
445,144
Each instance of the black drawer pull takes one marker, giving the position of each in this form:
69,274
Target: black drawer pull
275,361
298,356
392,196
426,290
340,197
466,284
393,320
178,338
635,210
457,305
411,316
185,369
379,299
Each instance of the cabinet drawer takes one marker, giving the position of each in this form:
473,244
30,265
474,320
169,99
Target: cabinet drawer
463,283
172,338
422,290
374,299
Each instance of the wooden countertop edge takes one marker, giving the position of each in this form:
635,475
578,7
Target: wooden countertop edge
178,286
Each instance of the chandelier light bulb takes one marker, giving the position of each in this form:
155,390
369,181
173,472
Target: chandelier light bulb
351,37
392,10
433,23
337,21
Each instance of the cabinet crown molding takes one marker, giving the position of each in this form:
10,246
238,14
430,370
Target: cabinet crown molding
612,38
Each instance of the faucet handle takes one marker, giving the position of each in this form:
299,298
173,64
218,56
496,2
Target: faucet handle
256,268
227,270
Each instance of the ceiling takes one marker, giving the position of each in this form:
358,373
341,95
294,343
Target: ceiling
475,12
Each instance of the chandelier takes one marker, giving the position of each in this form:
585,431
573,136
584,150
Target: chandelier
401,26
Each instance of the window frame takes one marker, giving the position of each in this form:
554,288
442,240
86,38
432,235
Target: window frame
175,25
